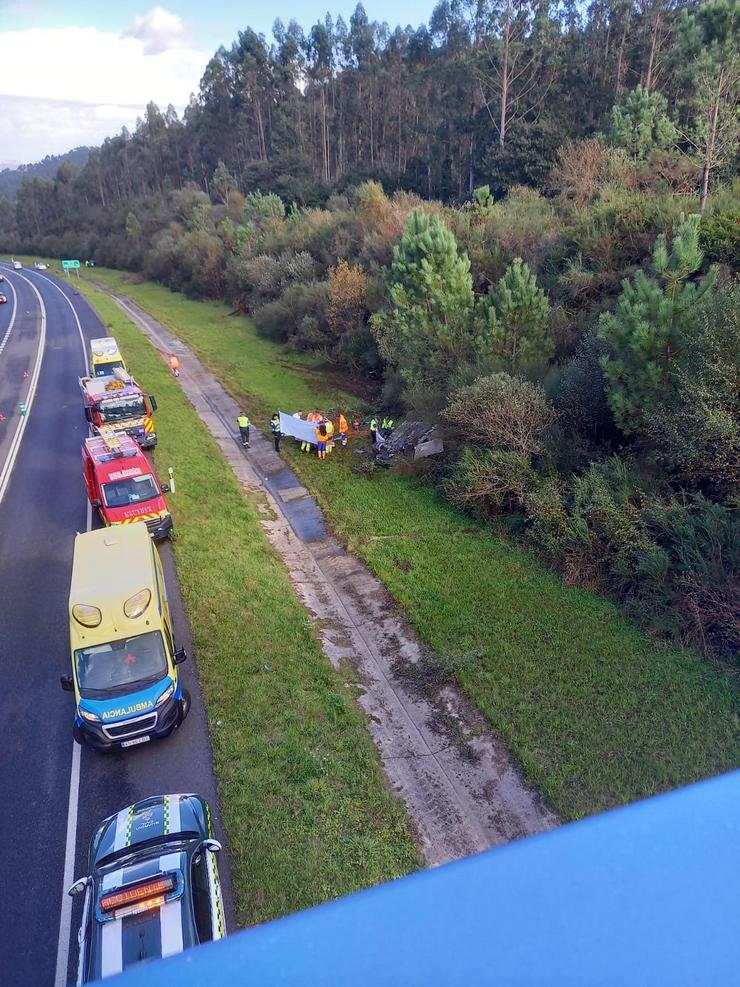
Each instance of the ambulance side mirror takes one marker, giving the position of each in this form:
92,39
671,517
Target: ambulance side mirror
88,414
180,656
66,683
165,488
213,845
95,502
153,402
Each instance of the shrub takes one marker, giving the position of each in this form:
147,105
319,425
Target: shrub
347,290
584,168
695,427
702,584
490,481
284,319
502,412
581,399
719,236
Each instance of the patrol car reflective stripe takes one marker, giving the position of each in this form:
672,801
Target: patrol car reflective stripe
123,828
171,814
148,425
139,517
217,910
170,915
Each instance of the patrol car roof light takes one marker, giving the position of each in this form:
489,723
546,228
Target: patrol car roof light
86,614
153,889
137,604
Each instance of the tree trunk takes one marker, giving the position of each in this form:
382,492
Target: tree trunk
709,157
653,49
504,83
620,57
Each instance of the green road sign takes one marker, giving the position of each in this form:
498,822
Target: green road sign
67,264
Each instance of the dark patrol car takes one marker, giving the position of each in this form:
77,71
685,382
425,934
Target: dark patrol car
153,888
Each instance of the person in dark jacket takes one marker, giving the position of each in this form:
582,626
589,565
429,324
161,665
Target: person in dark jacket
276,433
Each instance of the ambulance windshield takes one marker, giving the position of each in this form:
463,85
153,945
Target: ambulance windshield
121,666
119,409
106,369
130,490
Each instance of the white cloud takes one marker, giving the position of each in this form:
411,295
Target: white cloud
73,85
159,30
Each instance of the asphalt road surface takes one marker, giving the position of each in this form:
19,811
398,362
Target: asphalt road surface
54,794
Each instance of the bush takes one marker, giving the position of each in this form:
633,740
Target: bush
719,236
581,399
702,583
695,427
490,481
283,319
502,412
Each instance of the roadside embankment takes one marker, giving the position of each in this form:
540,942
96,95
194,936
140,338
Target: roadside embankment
304,800
597,713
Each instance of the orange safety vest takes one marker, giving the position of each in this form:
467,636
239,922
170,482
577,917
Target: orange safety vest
173,362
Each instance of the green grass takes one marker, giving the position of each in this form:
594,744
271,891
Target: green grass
254,368
306,810
597,713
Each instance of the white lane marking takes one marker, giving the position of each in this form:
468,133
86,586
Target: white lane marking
8,331
15,445
65,916
74,312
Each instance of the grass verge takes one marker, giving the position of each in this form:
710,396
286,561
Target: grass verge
598,713
305,805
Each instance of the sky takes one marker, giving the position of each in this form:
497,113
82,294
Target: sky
73,72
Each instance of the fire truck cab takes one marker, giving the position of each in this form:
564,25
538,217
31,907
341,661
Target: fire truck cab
121,484
105,357
117,402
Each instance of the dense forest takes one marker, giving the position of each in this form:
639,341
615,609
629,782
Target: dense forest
521,221
12,178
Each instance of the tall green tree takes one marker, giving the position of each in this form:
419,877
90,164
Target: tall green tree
642,125
653,319
515,315
429,330
223,183
711,50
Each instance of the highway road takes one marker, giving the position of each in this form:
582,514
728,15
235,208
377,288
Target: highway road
55,793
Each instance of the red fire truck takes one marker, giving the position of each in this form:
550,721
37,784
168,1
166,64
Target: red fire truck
121,484
117,402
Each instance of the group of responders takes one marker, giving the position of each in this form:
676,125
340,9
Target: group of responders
317,429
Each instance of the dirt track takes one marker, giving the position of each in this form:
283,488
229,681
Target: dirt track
463,790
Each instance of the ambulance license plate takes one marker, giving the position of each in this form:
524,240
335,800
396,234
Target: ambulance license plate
135,741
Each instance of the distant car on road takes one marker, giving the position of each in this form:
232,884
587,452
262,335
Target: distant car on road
17,266
39,266
3,299
153,887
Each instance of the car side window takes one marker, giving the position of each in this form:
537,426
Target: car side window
201,899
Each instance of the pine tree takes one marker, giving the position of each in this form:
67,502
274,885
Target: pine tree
710,43
653,320
429,331
516,313
643,125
